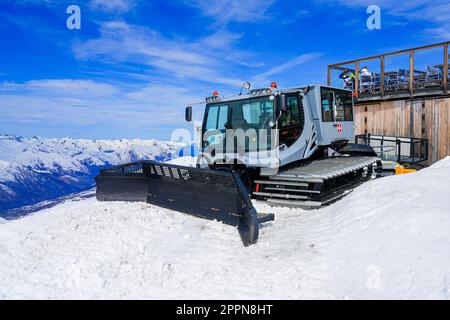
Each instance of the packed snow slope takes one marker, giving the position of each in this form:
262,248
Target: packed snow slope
37,169
390,238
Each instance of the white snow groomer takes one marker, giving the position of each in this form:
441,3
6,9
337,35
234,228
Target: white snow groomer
289,147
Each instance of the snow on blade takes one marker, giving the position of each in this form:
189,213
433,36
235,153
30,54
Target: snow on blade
184,161
388,239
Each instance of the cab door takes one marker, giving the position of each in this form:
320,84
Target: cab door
337,115
291,122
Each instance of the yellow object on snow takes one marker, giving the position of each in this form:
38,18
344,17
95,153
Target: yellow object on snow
401,169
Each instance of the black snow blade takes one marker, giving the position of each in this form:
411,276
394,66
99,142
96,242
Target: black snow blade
204,193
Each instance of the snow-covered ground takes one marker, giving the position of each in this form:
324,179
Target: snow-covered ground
390,238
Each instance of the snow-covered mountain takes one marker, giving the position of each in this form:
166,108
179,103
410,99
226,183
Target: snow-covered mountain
37,169
388,239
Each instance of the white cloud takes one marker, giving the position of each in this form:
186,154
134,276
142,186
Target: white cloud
62,87
73,86
442,33
289,65
295,16
220,39
61,103
112,5
435,12
200,60
224,11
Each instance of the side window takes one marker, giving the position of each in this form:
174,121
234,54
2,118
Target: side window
348,107
292,117
327,108
343,103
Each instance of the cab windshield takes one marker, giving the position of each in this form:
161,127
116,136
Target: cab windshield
244,114
253,116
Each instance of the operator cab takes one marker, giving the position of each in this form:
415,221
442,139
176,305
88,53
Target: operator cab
284,125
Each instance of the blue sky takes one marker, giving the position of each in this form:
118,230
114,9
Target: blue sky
134,65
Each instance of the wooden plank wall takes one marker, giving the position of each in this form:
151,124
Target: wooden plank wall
427,118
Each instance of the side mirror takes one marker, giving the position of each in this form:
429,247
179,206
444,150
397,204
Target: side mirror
188,114
283,107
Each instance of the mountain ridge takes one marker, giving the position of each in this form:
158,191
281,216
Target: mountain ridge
38,169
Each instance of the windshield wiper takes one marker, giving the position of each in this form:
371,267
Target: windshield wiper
228,125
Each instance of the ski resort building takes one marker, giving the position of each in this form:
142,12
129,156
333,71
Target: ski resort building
402,101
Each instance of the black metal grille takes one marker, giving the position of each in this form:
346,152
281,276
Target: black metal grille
197,175
150,168
130,168
226,181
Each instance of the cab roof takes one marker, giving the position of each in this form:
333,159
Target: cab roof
263,92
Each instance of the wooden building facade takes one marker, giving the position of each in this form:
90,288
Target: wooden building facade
426,118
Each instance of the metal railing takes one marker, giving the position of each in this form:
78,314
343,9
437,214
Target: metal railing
401,149
391,82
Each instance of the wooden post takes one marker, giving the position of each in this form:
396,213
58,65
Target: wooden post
382,77
329,76
411,72
357,79
411,118
445,69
